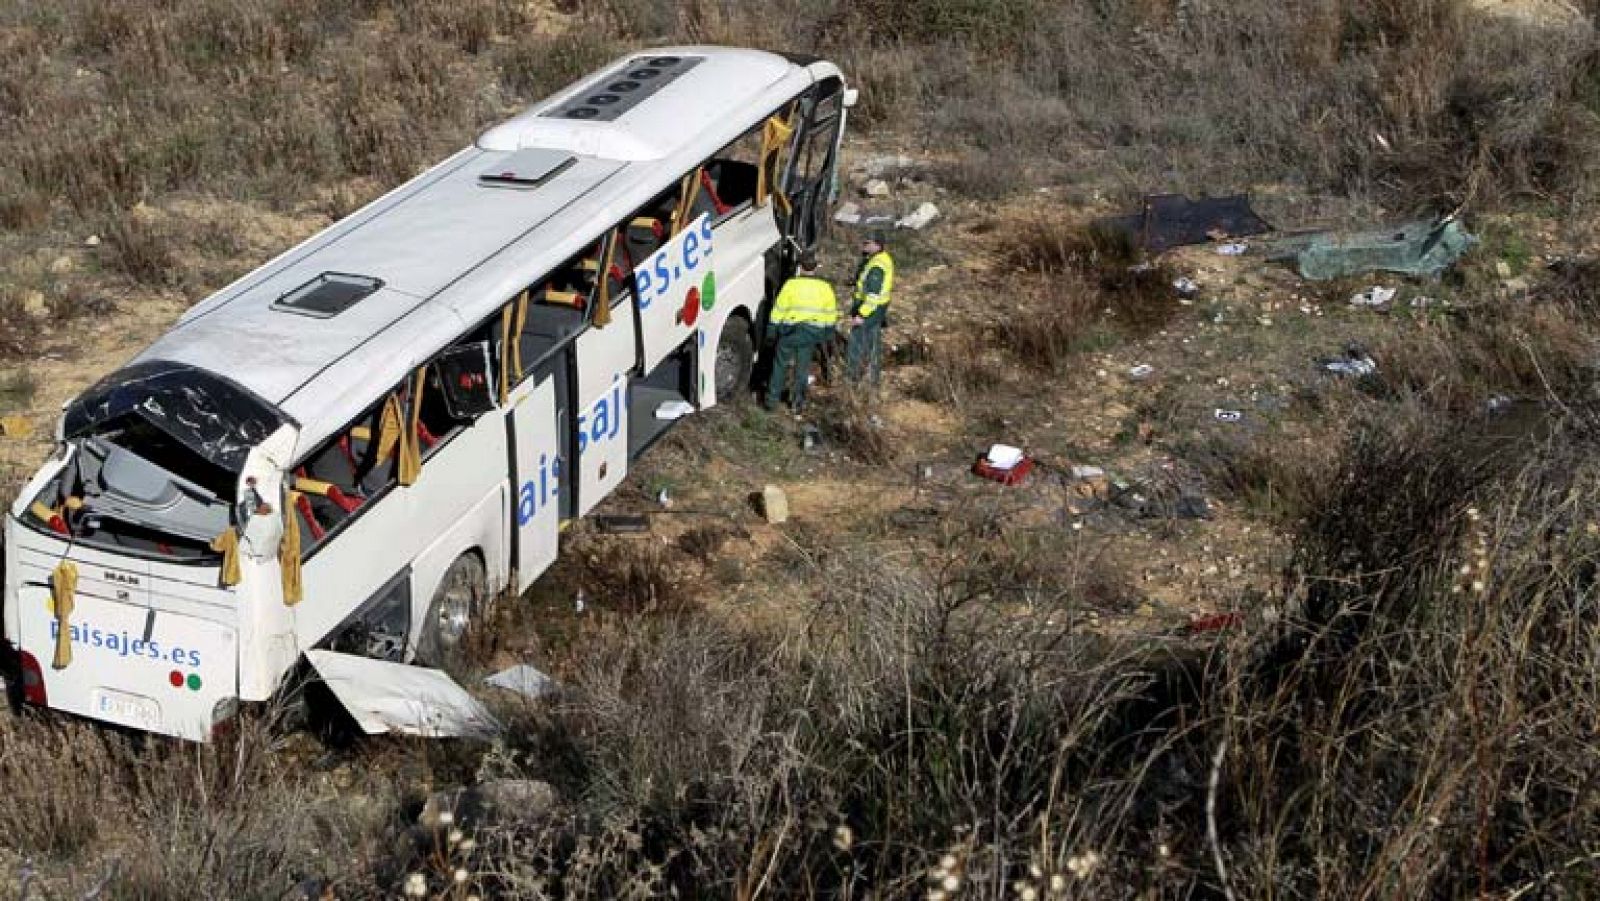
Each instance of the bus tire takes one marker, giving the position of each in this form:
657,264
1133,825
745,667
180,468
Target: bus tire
457,603
736,353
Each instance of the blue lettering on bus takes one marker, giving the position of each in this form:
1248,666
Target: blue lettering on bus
124,645
679,260
539,492
603,420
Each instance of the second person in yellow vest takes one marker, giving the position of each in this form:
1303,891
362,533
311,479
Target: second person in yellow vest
869,311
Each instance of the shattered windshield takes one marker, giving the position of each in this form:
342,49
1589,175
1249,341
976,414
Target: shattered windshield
206,413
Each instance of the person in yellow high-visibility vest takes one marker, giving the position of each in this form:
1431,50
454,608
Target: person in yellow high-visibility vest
869,310
804,316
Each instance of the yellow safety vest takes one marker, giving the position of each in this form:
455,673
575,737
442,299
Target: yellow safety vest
806,301
867,304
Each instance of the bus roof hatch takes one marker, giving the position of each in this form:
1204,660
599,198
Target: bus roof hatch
527,168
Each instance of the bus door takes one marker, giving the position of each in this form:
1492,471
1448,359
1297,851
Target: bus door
810,184
540,473
604,368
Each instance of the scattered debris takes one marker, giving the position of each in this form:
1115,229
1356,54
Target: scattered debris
621,523
523,680
61,265
1494,404
885,166
1141,372
1003,456
1355,362
1087,473
92,241
877,187
810,437
1172,220
774,505
1221,415
918,219
395,697
16,426
1232,249
673,409
664,498
580,600
498,801
1192,506
1012,475
1187,288
1422,249
848,214
1216,622
1375,296
34,304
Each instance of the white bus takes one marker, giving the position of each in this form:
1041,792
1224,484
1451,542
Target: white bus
342,455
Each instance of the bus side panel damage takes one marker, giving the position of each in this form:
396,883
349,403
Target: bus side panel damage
397,697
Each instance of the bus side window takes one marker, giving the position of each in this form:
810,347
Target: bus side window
443,414
341,477
557,307
731,173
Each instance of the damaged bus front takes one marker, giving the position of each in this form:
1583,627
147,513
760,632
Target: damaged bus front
140,557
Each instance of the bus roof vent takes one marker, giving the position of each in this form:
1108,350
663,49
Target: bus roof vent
328,295
527,168
624,88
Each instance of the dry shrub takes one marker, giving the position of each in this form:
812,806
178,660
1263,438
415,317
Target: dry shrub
962,373
142,247
851,421
536,66
1069,285
633,575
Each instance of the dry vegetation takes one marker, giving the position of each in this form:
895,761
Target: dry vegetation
1411,713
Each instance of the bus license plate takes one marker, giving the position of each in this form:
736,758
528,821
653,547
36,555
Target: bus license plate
127,709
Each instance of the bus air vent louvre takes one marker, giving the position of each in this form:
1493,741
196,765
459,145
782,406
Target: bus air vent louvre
527,168
624,88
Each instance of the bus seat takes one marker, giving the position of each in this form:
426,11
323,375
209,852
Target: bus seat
329,491
710,192
562,298
302,505
656,227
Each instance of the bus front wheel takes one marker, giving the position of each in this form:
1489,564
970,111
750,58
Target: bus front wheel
736,354
457,603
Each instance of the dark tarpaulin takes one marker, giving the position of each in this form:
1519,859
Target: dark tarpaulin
206,413
1172,220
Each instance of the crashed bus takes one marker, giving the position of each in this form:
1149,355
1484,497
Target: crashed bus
343,455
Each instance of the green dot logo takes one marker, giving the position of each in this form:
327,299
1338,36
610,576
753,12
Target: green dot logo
708,291
194,681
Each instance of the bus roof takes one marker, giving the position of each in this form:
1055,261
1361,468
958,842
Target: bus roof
444,251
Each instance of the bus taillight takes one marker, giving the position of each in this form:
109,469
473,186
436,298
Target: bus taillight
32,680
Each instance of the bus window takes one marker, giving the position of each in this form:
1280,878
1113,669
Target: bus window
557,308
341,477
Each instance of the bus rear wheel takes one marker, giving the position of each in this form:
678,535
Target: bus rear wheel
736,354
457,603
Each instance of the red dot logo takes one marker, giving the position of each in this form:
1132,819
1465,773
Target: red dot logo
176,678
691,308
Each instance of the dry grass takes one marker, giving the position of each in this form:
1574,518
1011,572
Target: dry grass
1418,724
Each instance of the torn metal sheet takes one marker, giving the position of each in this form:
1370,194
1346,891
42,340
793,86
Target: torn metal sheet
206,413
1422,249
396,697
1166,221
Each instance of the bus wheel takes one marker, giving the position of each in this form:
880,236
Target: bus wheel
457,602
735,358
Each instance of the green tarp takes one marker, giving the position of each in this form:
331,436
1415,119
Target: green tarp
1422,249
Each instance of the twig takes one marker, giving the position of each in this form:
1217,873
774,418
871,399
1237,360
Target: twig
1529,886
1211,819
111,874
